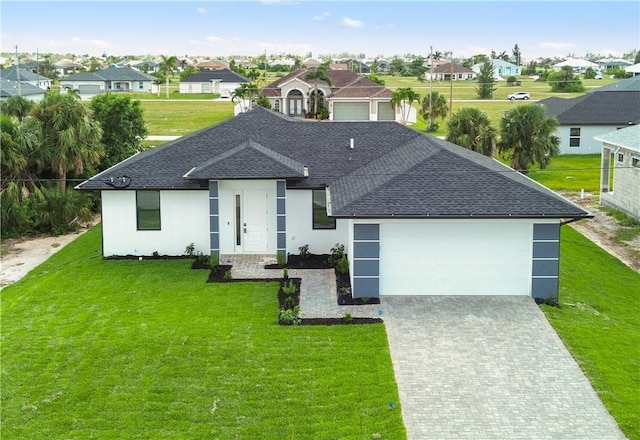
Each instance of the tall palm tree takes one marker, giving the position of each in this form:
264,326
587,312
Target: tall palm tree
471,128
404,97
17,106
434,106
71,138
167,66
319,74
526,136
19,146
244,93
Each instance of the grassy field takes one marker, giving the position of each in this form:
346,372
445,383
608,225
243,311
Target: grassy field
598,321
178,118
147,349
570,173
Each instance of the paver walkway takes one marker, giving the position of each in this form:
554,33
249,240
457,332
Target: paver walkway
481,368
488,368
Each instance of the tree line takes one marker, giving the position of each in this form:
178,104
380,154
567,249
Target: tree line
59,140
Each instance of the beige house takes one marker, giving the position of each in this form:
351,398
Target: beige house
620,171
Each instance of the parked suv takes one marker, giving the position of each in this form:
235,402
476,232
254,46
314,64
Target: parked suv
519,95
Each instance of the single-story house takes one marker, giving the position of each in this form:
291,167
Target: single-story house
417,215
447,71
349,96
113,79
501,68
577,64
26,76
212,81
633,70
146,66
595,113
28,91
611,63
620,171
212,65
66,67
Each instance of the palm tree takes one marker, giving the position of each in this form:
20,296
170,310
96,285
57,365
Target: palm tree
17,106
320,73
167,66
404,97
243,93
526,136
434,106
19,146
471,128
71,138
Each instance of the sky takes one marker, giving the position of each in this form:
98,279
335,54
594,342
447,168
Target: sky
374,28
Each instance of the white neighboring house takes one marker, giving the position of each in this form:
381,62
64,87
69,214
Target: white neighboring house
28,91
222,81
25,76
620,171
633,70
265,183
577,64
113,79
446,71
597,112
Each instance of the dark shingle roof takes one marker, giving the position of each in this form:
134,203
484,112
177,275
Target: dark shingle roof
629,84
11,88
111,74
224,75
25,75
391,171
601,108
446,68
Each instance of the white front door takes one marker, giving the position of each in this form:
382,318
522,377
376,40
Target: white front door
254,221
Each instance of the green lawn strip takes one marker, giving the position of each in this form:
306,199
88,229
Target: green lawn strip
598,321
178,118
95,348
570,173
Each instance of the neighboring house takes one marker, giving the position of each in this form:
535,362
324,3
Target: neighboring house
311,63
147,66
577,64
633,70
212,65
417,215
349,97
28,91
113,79
620,171
66,67
447,71
212,81
26,76
601,110
282,62
612,63
501,68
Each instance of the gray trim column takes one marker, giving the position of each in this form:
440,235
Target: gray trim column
545,269
366,260
214,220
281,219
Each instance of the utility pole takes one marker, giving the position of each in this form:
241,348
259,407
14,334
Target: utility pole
430,88
451,88
18,73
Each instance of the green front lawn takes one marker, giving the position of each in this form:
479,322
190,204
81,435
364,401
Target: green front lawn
599,322
570,173
147,349
178,118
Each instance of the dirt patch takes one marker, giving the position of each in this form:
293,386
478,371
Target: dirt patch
603,229
19,256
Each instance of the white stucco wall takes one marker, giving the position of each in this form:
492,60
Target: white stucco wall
300,226
625,194
184,218
588,145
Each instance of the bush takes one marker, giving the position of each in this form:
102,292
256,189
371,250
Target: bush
290,316
227,276
304,251
511,81
281,258
190,250
289,288
323,113
285,273
343,265
337,252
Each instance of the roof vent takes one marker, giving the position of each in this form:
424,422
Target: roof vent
305,171
351,143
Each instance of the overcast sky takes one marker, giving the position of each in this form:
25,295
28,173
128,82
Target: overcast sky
387,28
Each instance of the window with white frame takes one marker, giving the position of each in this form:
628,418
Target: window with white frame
574,137
620,157
276,105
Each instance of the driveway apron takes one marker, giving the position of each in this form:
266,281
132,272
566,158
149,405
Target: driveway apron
488,368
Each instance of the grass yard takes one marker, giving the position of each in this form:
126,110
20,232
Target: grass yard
570,173
147,349
598,321
178,118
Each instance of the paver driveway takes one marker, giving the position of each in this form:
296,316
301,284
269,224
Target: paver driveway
488,368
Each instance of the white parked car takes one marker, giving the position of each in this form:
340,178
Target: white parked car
225,94
520,95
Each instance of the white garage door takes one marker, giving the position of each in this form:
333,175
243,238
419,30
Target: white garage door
386,112
86,89
351,111
465,258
